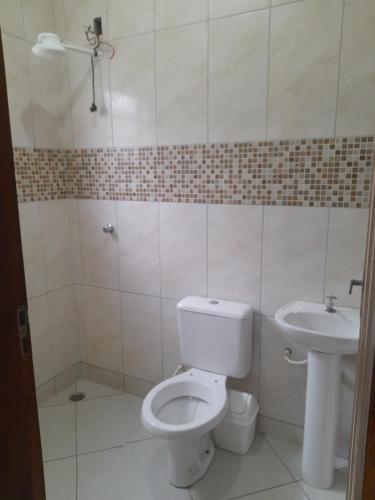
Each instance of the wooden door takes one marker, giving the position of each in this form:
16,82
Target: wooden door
21,465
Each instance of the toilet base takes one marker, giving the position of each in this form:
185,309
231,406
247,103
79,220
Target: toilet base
189,459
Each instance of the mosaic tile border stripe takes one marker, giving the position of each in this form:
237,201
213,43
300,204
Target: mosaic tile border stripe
325,172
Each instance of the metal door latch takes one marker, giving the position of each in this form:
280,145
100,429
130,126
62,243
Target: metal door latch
23,331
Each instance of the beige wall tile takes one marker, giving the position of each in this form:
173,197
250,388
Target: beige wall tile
79,15
129,17
294,252
90,129
238,65
103,328
171,343
75,240
181,80
40,340
235,252
55,224
48,110
98,250
183,246
282,389
304,64
139,257
133,92
346,253
11,17
63,322
220,8
18,88
106,377
38,17
356,107
137,386
32,248
169,13
142,336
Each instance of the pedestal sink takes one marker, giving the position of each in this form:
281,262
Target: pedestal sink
327,336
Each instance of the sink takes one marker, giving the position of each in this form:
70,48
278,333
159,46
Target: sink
328,336
310,325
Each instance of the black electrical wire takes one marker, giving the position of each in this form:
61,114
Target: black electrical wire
93,106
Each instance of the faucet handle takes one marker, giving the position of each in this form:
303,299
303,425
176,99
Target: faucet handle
354,283
331,297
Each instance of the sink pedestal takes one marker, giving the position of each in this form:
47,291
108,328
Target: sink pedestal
321,416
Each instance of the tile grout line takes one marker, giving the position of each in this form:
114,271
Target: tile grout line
279,457
253,493
339,68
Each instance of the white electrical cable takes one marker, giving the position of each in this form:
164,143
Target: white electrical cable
180,368
287,353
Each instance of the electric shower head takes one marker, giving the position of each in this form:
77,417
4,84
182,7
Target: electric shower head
48,45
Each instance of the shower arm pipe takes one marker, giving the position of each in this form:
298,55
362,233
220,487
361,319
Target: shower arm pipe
81,50
287,353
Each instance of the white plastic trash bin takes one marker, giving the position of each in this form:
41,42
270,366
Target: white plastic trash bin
236,432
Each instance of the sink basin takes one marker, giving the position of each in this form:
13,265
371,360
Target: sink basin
309,324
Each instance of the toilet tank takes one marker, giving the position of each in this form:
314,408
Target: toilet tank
215,335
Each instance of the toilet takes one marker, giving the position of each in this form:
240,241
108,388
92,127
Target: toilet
216,342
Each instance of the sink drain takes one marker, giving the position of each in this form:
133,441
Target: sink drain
77,396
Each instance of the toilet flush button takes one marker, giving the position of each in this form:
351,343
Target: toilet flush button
213,302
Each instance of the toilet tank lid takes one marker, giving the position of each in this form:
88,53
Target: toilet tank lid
215,307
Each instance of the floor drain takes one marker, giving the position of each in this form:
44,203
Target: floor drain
77,396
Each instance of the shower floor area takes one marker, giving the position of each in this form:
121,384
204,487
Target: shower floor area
97,449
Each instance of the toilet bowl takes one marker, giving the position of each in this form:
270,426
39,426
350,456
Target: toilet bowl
215,340
183,410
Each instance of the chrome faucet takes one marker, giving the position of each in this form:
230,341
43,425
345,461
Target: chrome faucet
330,307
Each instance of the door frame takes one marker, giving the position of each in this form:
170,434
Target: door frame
364,410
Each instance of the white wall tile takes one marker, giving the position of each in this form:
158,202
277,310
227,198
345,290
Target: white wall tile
11,17
238,65
79,15
235,252
181,81
220,8
18,88
133,92
294,252
75,240
171,343
103,327
304,63
183,246
346,253
40,340
48,109
347,388
356,107
90,129
98,249
282,387
81,323
32,248
63,321
38,17
142,336
55,224
169,13
129,17
139,259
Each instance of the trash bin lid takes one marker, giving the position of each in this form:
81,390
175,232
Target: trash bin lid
238,402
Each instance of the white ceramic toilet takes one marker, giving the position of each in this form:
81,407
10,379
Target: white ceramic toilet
216,341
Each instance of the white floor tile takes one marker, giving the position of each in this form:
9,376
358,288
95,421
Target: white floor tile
232,475
62,397
60,479
94,390
337,492
287,492
108,422
134,472
57,429
290,454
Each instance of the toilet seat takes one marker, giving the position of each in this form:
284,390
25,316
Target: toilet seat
186,406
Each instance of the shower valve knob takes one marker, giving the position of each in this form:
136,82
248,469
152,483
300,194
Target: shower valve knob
108,229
